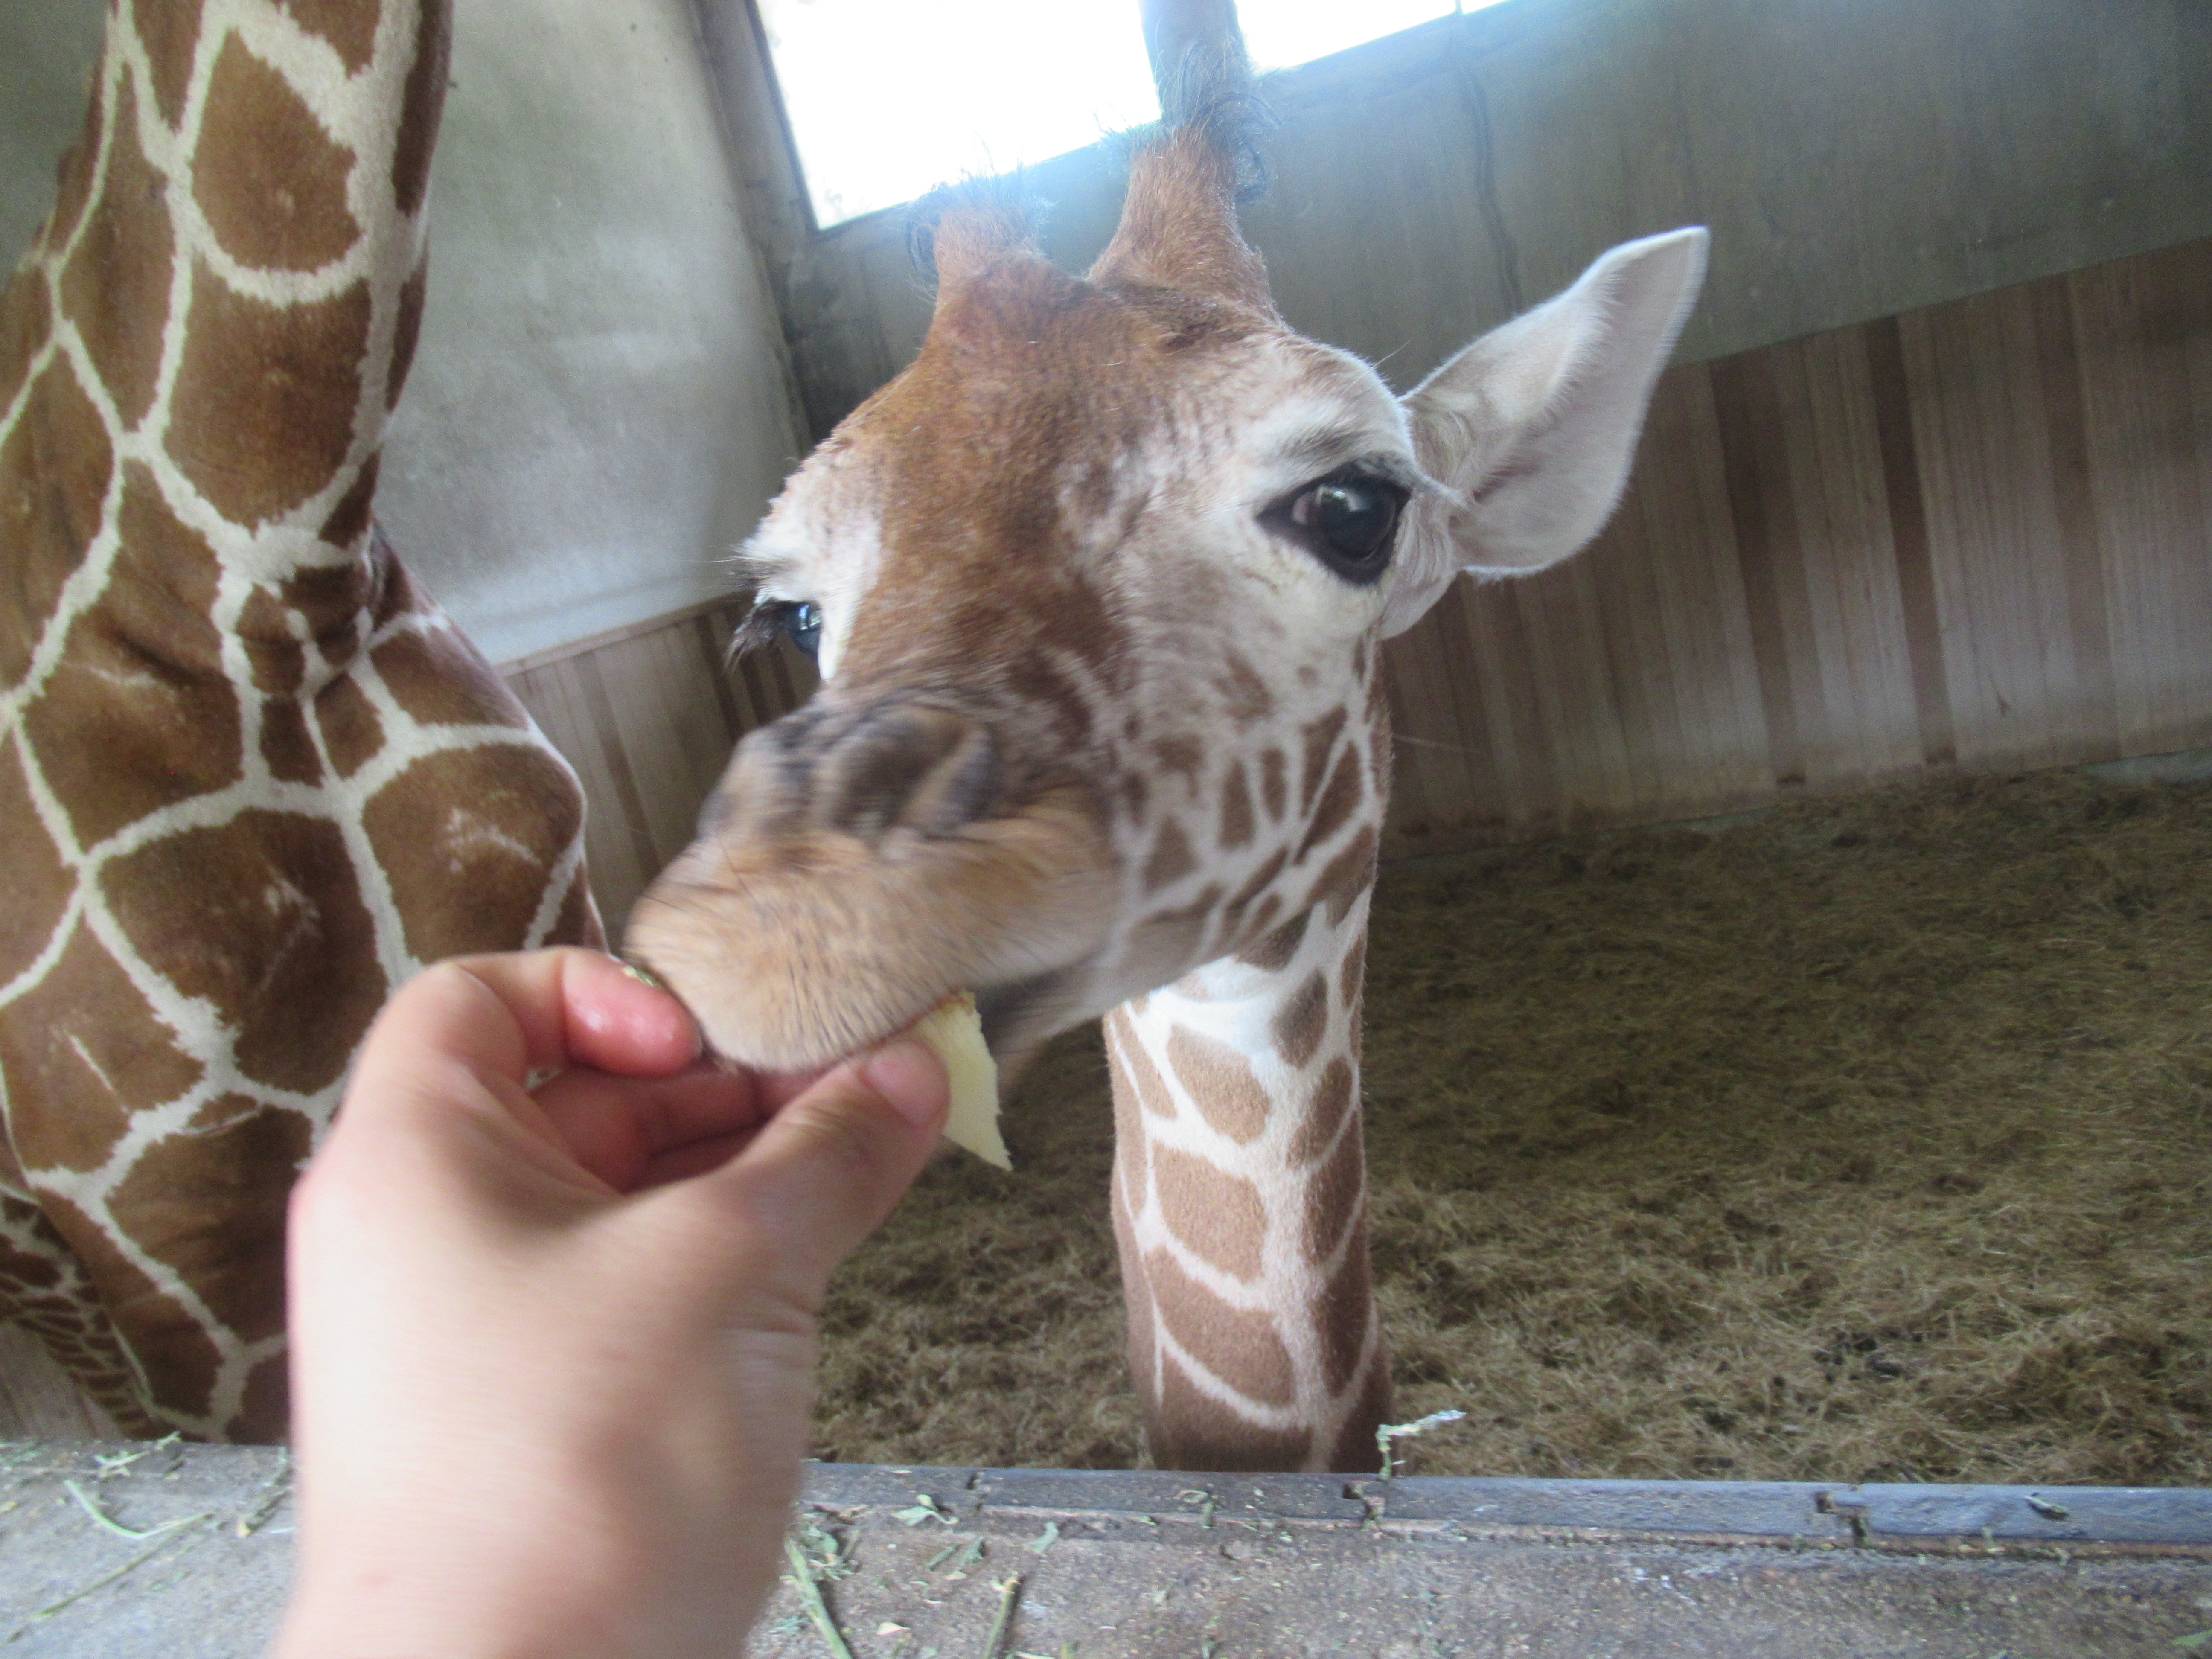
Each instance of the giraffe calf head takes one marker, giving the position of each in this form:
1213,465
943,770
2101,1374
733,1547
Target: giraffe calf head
1097,586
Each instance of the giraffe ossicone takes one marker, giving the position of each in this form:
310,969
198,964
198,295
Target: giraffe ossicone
1102,578
251,776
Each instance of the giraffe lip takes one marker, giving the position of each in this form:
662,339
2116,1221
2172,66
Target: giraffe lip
1018,1015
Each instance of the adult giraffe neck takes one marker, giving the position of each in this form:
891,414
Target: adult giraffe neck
1239,1205
250,777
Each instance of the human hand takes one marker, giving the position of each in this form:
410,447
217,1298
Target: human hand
553,1354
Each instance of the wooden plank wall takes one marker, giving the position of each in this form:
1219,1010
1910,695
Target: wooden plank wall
1974,535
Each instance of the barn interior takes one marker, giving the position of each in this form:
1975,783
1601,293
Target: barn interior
1788,1054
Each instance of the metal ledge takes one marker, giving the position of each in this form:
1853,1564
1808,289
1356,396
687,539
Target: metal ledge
2081,1521
170,1551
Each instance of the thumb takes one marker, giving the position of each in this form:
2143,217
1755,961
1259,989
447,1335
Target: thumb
827,1168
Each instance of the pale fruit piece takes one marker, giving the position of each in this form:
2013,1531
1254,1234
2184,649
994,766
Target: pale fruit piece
955,1032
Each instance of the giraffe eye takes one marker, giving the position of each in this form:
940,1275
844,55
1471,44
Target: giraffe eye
802,626
1348,520
799,621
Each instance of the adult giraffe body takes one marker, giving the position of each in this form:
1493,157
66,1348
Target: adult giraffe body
251,777
1100,582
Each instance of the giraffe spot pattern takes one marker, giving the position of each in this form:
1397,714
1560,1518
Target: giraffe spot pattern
1244,691
1179,755
421,103
1131,1158
121,731
44,1289
116,286
407,333
26,318
1274,793
279,662
353,735
262,414
1346,789
1356,1452
261,423
208,1204
349,25
469,838
1152,1089
1300,1025
40,882
269,179
1220,1082
82,1051
287,748
1332,1194
1346,876
1320,736
137,716
1236,825
170,31
1171,858
263,917
440,679
1188,1429
1240,1346
331,602
1272,952
1137,1296
1341,1314
1378,743
1352,982
1219,1216
1325,1113
264,1414
180,1358
54,470
1170,939
349,521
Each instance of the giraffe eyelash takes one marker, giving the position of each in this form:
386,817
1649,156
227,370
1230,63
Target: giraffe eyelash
799,621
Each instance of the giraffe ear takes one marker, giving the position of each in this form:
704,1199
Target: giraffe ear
1533,427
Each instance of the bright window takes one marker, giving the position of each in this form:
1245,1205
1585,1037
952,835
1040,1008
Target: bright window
888,98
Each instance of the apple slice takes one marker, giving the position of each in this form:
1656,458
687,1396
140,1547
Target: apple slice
955,1031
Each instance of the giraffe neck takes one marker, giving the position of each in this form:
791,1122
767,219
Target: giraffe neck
1240,1207
249,778
232,284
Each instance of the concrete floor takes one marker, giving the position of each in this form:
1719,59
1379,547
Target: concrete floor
1236,1568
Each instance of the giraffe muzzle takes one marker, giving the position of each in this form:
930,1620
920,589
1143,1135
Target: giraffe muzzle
857,865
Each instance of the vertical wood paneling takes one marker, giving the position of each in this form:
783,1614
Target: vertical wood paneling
1975,535
648,717
2145,333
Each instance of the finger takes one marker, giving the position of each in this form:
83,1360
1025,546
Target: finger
512,1015
825,1171
619,1128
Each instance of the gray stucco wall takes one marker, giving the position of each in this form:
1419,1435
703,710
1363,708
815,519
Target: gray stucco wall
1854,158
599,408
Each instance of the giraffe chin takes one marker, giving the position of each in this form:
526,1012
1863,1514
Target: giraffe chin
797,951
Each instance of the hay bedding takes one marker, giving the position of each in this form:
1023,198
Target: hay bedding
1867,1140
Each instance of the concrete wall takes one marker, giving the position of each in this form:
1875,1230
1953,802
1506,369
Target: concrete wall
1855,158
600,406
48,51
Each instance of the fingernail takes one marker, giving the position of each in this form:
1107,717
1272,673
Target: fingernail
907,1075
